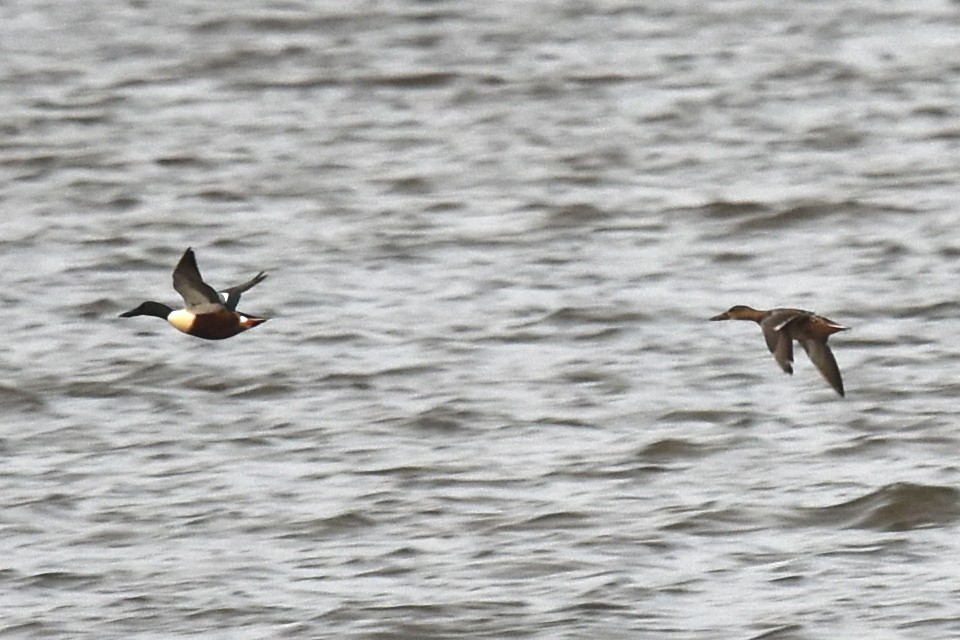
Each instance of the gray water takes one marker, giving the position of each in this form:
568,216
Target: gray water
488,403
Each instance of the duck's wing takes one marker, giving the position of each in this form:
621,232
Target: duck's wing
783,353
232,295
821,356
198,296
779,342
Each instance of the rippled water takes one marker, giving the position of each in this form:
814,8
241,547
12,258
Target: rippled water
488,403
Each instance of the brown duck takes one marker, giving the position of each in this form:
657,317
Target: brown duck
782,326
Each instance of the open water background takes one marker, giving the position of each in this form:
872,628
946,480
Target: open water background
488,403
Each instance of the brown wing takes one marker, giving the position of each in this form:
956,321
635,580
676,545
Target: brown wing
779,342
821,356
783,353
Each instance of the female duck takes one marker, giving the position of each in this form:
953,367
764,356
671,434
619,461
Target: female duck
782,326
207,314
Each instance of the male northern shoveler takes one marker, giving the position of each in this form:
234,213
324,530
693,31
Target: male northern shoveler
782,326
207,314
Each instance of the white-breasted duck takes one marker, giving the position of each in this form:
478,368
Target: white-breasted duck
206,313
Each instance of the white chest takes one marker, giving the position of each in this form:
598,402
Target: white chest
181,319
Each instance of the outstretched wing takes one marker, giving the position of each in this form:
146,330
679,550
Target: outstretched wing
779,342
821,356
198,296
783,352
232,295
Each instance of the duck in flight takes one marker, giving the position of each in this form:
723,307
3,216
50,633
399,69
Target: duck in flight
782,326
206,314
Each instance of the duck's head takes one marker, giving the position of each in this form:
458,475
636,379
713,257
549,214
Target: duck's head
149,309
740,312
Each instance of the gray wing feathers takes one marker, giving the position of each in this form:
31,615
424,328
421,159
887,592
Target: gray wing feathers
198,296
822,357
771,335
232,295
780,345
783,353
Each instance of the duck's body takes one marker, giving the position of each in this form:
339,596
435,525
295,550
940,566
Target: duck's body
782,326
207,314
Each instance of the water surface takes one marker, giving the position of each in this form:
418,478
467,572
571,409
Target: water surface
488,403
